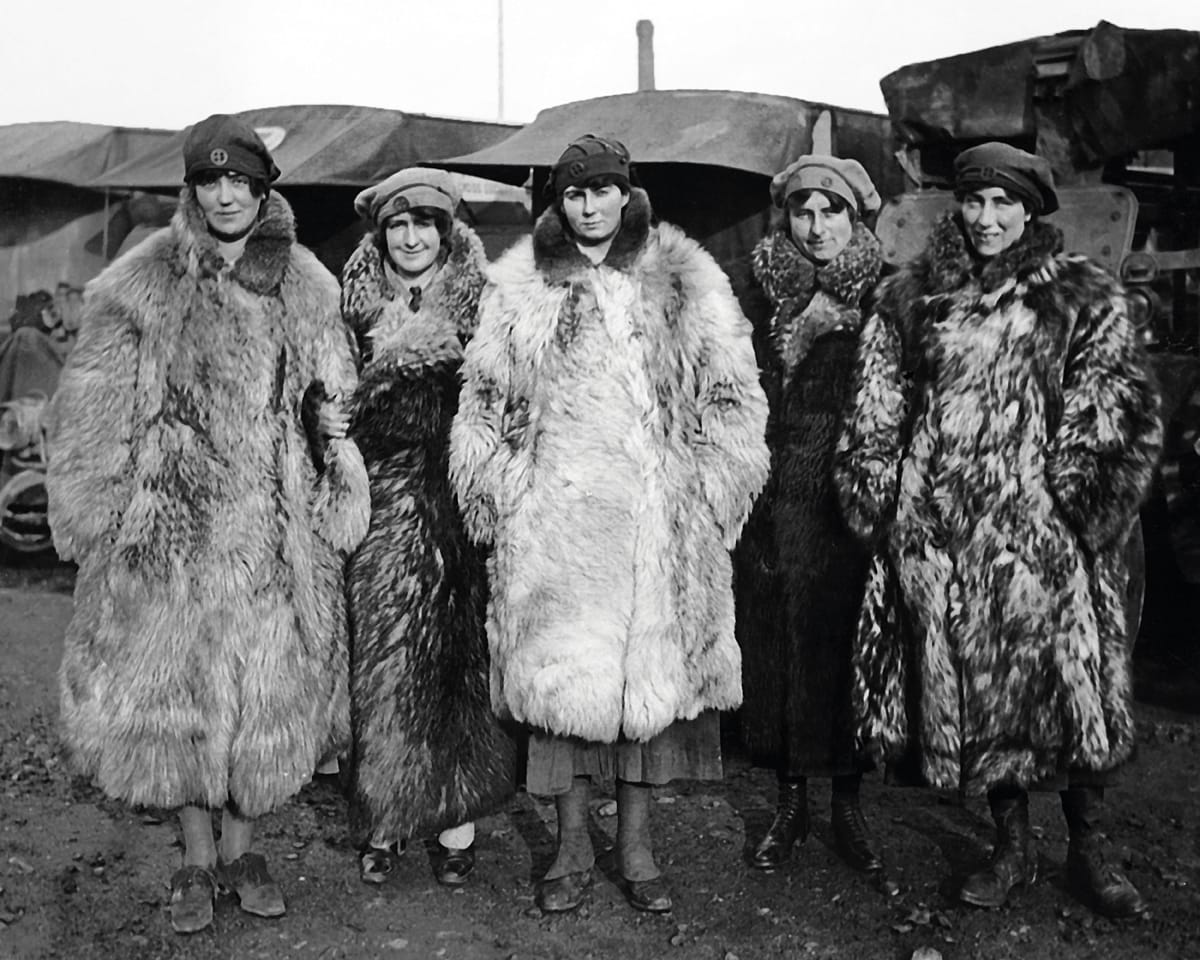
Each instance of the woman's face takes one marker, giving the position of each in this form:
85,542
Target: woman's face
594,213
228,201
413,242
994,219
818,230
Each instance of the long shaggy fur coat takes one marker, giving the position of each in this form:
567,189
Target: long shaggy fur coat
1004,431
428,751
609,444
206,662
799,569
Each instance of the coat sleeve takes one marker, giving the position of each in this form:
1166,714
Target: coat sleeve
490,424
730,441
867,462
90,430
1103,454
342,499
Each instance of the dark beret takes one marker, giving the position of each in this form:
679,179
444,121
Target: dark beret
587,158
222,142
1022,174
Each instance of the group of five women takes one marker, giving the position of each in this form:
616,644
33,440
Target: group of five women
480,504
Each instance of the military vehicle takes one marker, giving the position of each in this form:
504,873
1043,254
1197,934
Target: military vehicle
1117,114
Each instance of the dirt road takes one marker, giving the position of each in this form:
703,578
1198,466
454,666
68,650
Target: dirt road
82,877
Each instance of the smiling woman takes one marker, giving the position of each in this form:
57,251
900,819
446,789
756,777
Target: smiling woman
1007,380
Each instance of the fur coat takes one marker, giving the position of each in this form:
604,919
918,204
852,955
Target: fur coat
206,662
609,444
799,569
1005,429
428,751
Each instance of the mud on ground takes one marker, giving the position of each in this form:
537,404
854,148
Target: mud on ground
83,877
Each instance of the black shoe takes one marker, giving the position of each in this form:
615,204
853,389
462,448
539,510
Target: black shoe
1014,861
651,896
850,835
1104,889
454,866
193,890
376,864
790,825
563,893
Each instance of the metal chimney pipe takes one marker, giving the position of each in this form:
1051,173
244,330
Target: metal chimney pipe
645,35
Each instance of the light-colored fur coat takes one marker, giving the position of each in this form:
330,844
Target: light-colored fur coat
1005,430
206,662
609,444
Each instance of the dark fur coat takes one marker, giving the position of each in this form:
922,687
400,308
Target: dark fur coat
1004,432
800,570
428,752
206,661
609,443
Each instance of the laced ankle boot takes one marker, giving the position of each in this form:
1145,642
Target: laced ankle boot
790,824
1103,888
1014,860
850,834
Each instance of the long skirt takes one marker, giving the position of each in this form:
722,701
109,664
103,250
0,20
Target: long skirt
686,750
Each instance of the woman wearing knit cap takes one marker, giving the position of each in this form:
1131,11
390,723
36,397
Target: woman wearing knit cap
800,569
205,666
1004,432
608,446
428,752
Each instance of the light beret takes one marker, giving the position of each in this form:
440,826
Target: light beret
408,188
840,176
222,142
1025,175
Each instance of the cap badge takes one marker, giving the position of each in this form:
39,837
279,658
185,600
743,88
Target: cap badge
219,157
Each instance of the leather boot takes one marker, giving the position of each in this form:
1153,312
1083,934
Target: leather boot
850,835
790,824
1014,860
1104,889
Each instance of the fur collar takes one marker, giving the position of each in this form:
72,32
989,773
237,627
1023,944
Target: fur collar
268,250
454,290
812,300
558,258
949,262
786,274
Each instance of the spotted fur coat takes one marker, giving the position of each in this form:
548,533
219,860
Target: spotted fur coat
609,444
1004,431
428,751
800,569
206,661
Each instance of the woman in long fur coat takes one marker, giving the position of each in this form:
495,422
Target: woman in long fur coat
1006,380
206,665
429,753
608,445
800,569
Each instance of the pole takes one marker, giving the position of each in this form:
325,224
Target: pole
500,59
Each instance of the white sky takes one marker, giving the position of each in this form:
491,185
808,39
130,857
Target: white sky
167,63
